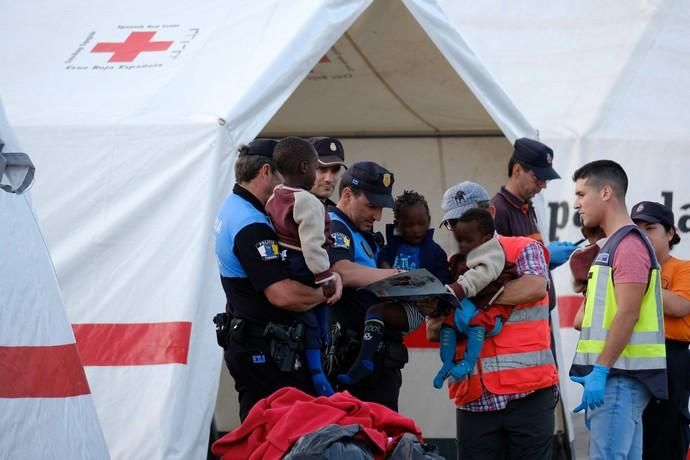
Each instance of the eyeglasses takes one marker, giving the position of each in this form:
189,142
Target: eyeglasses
535,178
449,224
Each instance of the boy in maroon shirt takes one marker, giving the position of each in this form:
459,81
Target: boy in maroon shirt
303,230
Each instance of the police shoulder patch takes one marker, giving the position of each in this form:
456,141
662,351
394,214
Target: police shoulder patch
268,249
341,240
602,258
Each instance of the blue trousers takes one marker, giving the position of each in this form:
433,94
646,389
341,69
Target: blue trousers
616,427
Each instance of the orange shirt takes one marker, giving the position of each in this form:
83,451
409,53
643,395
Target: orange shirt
675,276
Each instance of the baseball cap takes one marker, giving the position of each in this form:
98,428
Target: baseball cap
653,213
330,150
374,180
259,146
462,197
535,156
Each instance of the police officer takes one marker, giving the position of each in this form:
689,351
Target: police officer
365,189
529,170
331,162
262,352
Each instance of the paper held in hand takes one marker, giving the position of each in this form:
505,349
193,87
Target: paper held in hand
417,285
412,285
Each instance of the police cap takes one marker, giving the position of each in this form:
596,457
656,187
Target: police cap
374,180
653,213
535,156
330,150
259,146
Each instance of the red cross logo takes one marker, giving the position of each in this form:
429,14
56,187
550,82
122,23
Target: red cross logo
127,51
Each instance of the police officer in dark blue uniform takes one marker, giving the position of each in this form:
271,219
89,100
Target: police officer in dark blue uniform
263,348
365,189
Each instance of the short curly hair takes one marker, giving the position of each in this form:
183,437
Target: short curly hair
408,199
484,220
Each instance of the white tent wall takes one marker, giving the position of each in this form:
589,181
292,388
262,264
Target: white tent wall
118,265
55,419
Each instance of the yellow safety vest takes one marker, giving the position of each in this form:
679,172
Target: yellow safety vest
644,357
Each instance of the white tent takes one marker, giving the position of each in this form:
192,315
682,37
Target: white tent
132,112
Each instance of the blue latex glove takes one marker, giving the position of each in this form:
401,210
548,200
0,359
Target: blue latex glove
464,314
594,383
559,252
448,341
475,342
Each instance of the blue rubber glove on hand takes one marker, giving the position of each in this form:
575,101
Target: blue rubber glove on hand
595,384
559,252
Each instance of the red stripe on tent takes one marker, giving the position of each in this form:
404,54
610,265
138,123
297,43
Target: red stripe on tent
567,308
133,344
41,372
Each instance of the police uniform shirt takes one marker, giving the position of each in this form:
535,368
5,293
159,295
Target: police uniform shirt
255,246
351,308
514,216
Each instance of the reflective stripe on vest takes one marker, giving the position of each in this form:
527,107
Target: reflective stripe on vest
516,361
535,313
644,357
235,214
364,254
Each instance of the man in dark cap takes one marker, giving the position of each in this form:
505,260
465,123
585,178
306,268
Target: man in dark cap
529,170
257,284
365,189
331,162
665,422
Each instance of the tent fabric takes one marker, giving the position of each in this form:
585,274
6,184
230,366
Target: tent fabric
132,113
46,407
468,65
384,77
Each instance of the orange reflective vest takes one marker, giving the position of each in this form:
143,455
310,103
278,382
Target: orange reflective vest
518,359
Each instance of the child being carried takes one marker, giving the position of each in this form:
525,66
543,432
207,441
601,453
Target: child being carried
303,230
481,269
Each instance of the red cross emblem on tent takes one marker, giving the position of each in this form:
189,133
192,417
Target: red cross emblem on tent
129,50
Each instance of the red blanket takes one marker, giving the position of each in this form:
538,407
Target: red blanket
279,420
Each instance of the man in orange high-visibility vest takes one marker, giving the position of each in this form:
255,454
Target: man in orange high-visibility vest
505,406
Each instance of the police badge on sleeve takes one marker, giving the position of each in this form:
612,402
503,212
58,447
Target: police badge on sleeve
268,249
340,240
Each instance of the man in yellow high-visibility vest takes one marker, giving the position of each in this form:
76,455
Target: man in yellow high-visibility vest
620,357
